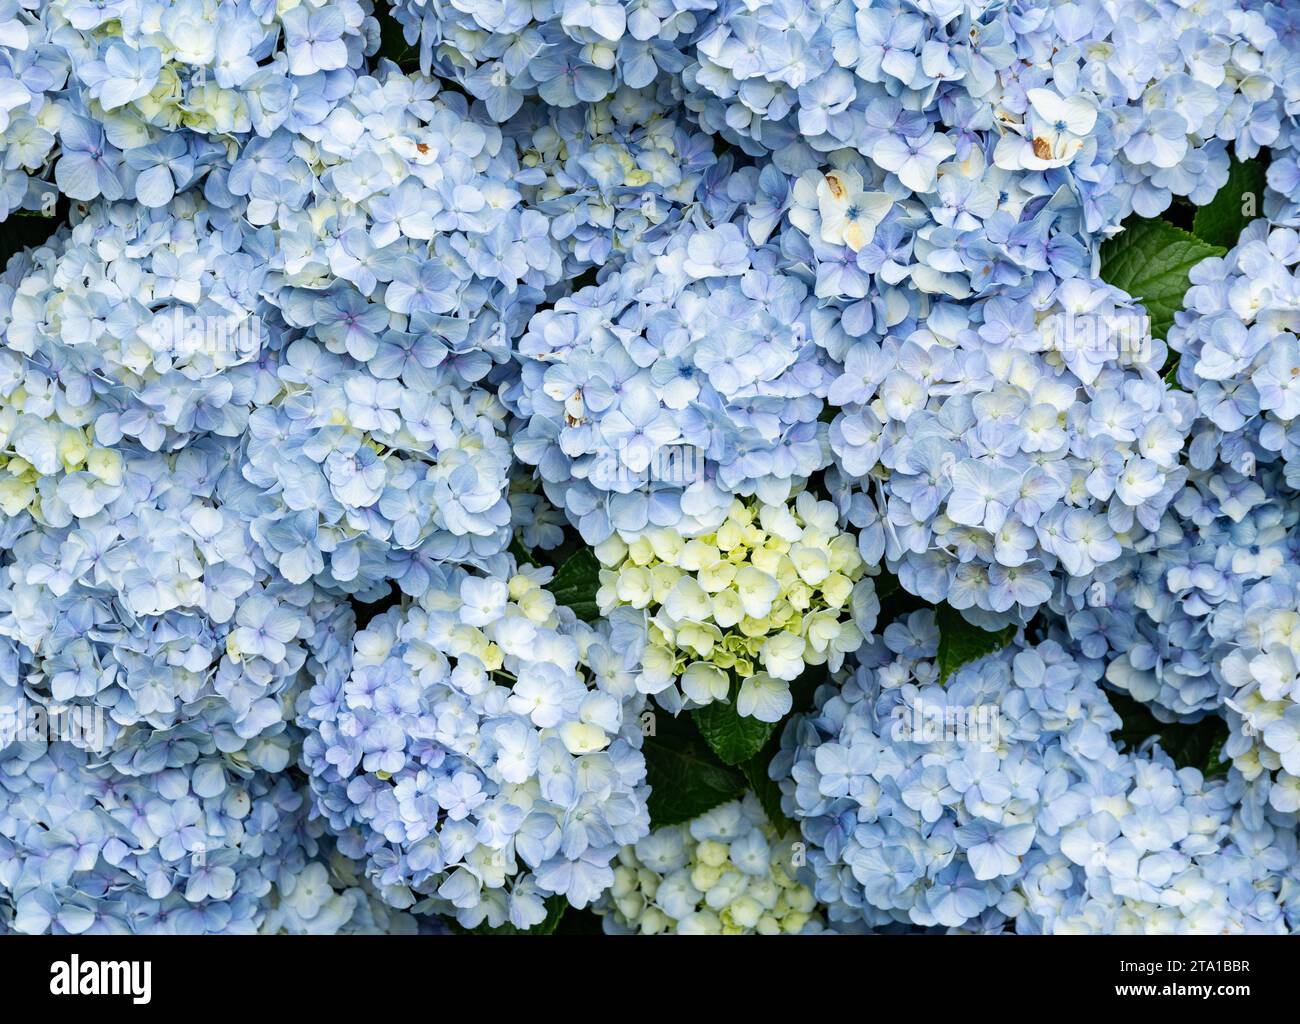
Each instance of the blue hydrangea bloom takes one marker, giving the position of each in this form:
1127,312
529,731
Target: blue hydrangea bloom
998,799
482,752
202,845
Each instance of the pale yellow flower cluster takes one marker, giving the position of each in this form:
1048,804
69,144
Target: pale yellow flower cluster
769,592
728,872
44,447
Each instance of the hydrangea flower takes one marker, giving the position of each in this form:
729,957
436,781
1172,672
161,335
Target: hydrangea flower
740,611
997,447
1138,100
135,326
196,846
352,359
1152,614
1196,620
327,898
998,800
33,70
611,174
132,582
1239,355
139,101
156,633
565,52
482,753
727,872
758,298
687,376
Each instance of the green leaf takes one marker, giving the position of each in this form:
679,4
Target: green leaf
686,778
522,555
1213,764
1190,745
767,791
1150,260
1221,221
576,582
895,602
961,642
886,585
732,736
766,788
392,41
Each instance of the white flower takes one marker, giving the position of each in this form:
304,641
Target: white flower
656,669
1055,131
765,698
757,591
583,737
688,601
783,655
849,216
704,683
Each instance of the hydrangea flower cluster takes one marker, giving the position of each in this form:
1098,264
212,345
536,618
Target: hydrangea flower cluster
758,304
482,754
1282,199
689,376
565,53
1239,354
202,845
215,655
371,442
1198,619
1259,653
403,251
132,583
746,607
990,452
1127,104
727,872
33,70
104,331
327,898
997,799
1152,614
140,100
617,172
